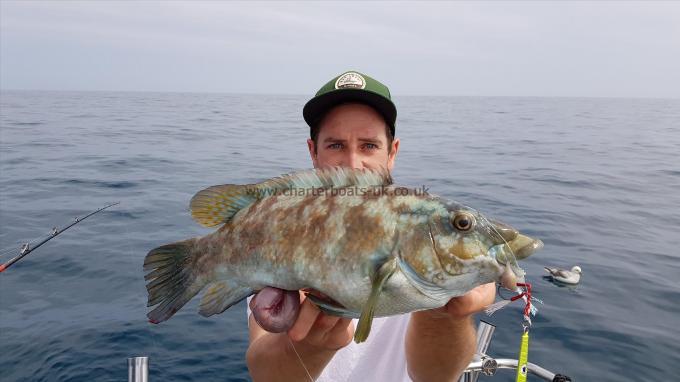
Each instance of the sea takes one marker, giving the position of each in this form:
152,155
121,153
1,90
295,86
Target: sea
597,179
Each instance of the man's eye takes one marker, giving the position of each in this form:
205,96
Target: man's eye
371,146
335,146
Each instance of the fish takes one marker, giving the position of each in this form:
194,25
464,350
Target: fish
361,245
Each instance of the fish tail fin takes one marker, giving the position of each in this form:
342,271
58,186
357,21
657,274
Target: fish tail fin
171,277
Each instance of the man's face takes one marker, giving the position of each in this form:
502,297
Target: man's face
353,135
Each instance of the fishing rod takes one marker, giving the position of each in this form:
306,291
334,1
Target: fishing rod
26,248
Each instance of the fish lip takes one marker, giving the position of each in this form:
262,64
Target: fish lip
529,249
500,252
499,230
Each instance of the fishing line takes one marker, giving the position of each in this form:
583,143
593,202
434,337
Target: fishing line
31,242
529,309
514,258
524,293
299,358
154,340
19,244
7,251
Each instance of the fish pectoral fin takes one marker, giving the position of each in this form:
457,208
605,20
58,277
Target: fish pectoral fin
378,281
220,296
331,308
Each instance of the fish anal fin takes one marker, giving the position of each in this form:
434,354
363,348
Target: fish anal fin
220,296
378,281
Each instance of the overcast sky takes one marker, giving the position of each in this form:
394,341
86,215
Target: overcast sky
601,49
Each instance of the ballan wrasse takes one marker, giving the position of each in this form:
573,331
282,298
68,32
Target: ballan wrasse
364,246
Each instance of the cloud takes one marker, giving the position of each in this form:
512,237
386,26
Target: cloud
458,48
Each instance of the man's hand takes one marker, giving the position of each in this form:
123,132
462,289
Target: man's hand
441,342
314,328
315,335
472,302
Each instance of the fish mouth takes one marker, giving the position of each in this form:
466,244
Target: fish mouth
520,247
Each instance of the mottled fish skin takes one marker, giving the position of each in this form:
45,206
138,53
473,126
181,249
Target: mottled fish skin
332,243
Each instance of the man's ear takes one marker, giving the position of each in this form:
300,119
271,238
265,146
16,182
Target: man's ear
312,151
393,154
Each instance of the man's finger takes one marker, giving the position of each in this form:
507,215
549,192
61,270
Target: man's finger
322,326
341,325
340,335
251,304
325,322
472,302
305,321
341,328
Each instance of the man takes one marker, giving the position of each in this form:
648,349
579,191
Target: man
352,124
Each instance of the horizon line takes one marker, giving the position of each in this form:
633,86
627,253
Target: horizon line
308,95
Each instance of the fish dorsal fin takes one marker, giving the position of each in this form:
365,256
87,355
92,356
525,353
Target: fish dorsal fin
218,204
336,177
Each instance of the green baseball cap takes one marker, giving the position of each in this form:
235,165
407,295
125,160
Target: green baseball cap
351,86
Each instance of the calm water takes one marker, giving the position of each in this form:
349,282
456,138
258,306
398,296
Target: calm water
596,179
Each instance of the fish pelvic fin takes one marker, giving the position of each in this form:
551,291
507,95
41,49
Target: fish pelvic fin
171,279
220,296
379,279
331,308
218,204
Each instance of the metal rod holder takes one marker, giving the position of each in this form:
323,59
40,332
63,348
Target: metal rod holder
484,333
506,363
138,369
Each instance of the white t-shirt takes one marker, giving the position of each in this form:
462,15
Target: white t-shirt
381,358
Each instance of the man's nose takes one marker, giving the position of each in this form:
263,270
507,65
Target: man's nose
354,160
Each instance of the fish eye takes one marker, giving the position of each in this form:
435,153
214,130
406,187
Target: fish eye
463,221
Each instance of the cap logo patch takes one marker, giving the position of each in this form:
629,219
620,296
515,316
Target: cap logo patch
350,80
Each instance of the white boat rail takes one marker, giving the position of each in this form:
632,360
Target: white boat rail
138,367
484,364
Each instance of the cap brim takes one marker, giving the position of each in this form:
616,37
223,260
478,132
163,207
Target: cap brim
317,107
